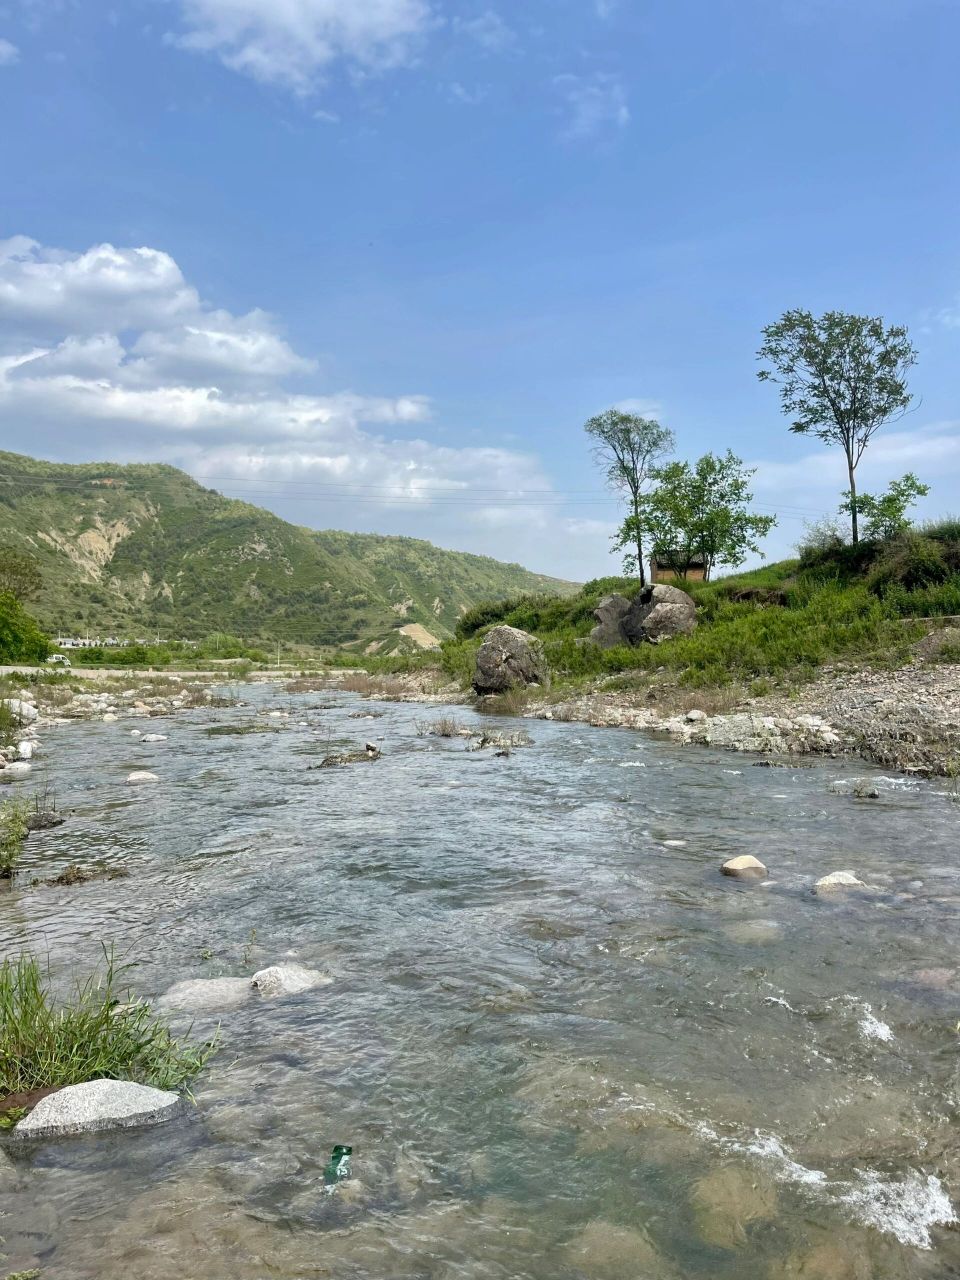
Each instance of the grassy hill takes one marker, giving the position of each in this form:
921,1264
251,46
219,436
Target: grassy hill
132,550
834,603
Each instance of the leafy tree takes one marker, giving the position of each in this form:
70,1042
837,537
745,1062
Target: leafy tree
841,377
628,446
886,514
20,574
21,640
702,512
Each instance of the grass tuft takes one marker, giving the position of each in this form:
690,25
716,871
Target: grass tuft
101,1033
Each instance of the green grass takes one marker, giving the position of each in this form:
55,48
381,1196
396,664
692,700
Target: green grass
101,1032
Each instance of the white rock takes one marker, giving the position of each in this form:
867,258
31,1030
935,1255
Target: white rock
288,980
696,716
838,880
154,737
22,709
18,769
110,717
98,1104
745,867
142,775
196,994
25,750
136,733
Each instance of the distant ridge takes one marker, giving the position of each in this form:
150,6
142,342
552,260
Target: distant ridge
143,548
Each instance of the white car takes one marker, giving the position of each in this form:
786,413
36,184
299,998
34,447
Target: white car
59,660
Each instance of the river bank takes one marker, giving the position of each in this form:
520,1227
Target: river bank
906,719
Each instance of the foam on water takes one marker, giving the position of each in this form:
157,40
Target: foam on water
907,1208
871,1028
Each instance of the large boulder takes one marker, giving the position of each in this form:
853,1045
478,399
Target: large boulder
658,613
22,711
610,613
509,659
96,1105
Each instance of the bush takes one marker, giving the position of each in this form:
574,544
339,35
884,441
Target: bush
13,832
911,562
100,1034
21,639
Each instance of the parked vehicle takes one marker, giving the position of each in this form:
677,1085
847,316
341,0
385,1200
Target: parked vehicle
59,660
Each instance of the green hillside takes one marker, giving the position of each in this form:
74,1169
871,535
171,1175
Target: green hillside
131,550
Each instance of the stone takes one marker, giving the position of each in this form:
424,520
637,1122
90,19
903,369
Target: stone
659,613
752,933
142,775
18,768
604,1251
288,980
508,659
729,1201
696,717
200,994
97,1105
837,881
110,717
826,1261
610,613
744,867
154,737
25,750
22,709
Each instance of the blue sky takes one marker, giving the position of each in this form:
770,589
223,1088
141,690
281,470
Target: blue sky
372,263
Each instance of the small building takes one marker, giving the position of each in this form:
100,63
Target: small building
661,568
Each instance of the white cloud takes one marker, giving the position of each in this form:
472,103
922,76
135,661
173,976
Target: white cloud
643,408
489,30
9,53
113,353
294,42
594,104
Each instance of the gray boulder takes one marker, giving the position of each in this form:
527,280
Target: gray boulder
509,659
96,1105
658,613
610,613
287,980
195,995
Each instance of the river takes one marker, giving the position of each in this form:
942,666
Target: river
561,1044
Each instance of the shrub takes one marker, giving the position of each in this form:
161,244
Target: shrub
13,832
100,1034
910,561
21,640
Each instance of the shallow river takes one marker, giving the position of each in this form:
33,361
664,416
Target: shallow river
559,1042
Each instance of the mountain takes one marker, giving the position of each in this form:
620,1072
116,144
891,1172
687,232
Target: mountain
133,550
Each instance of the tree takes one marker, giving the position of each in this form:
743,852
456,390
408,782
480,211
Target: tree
702,512
629,446
20,574
841,377
21,640
886,514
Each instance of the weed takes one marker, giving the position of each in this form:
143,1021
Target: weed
14,818
445,727
248,949
511,703
101,1033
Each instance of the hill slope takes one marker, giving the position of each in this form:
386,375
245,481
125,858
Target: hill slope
141,548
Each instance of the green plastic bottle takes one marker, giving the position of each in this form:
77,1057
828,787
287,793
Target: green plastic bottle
339,1166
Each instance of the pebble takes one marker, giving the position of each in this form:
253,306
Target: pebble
142,775
838,880
744,867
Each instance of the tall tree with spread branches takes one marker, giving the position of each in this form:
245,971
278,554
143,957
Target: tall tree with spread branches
841,377
629,447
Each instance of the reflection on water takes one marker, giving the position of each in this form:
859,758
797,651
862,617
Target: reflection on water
558,1041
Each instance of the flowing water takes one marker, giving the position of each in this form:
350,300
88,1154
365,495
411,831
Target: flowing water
559,1042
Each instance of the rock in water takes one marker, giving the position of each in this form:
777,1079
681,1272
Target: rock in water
288,980
746,867
142,775
659,613
604,1251
198,994
728,1201
509,659
610,613
837,881
96,1105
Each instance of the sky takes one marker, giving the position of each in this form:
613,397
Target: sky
373,263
